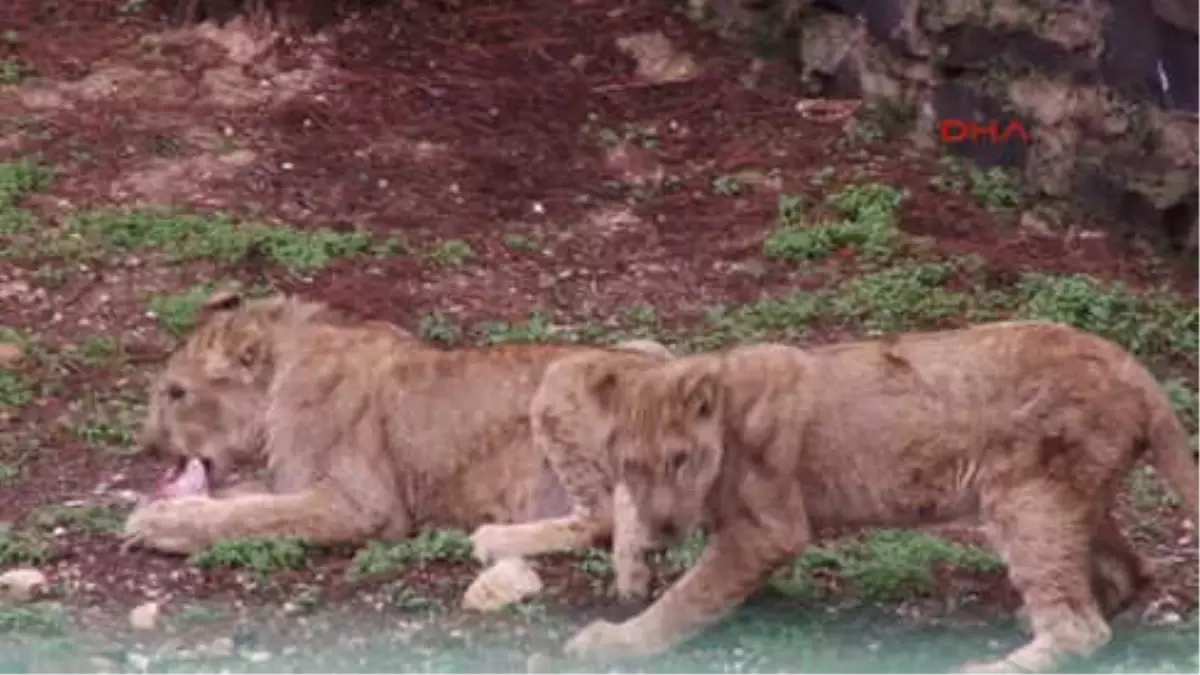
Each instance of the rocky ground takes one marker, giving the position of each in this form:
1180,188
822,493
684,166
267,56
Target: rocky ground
509,171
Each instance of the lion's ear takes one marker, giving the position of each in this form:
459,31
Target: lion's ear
701,394
602,386
223,300
248,350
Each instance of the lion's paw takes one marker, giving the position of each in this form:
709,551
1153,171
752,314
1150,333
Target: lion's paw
632,586
601,639
166,526
507,582
988,667
604,640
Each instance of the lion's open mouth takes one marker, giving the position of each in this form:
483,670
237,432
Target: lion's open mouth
188,478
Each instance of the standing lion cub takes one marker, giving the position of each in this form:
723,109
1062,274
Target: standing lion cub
1032,426
365,432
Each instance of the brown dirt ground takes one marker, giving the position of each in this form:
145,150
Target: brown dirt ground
471,125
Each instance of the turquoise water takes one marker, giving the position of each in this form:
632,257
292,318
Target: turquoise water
760,641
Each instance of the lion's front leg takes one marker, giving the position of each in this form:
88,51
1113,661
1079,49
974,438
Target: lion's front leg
586,483
191,524
578,530
503,547
735,563
632,543
241,489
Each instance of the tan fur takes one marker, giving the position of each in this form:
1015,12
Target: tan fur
1030,426
365,431
565,419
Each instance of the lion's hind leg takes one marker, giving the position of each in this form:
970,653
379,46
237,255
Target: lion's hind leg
1044,532
189,524
1118,572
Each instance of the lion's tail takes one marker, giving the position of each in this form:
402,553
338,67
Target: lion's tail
1170,451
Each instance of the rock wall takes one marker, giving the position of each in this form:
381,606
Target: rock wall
1107,89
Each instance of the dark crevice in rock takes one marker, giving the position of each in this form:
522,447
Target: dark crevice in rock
1103,193
1179,222
842,83
951,71
1181,67
958,100
847,7
1099,186
1131,55
307,15
884,20
979,48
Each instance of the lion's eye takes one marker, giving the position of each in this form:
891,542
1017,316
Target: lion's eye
175,392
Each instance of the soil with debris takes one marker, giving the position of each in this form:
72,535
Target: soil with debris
596,167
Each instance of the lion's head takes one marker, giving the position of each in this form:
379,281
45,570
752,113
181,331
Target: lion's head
667,440
208,403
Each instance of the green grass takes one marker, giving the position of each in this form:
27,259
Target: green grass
17,181
886,566
1147,492
11,473
868,201
910,295
407,599
179,237
20,179
1185,402
521,243
263,556
89,519
452,253
16,450
790,210
728,186
996,189
109,422
882,566
21,548
439,328
784,319
596,562
869,214
12,71
182,237
389,557
1148,324
899,298
33,620
536,329
15,390
177,314
96,351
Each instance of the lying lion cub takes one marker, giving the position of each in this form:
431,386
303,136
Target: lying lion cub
365,431
1030,425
